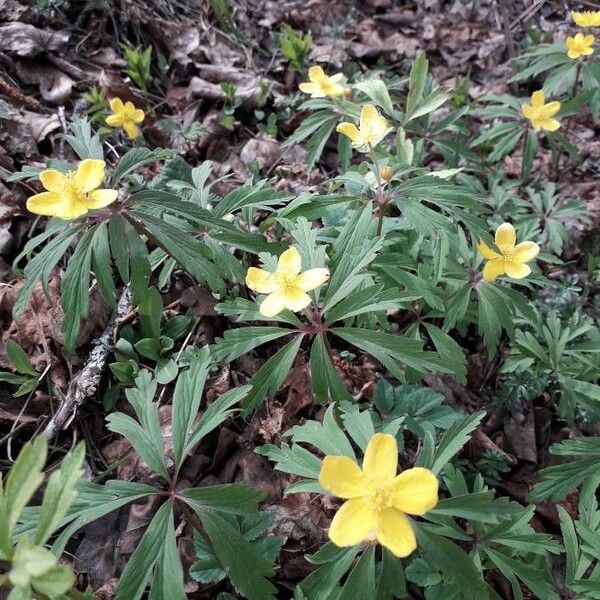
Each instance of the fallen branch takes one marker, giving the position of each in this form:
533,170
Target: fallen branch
86,382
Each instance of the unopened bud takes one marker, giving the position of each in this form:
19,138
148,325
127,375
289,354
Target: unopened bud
386,173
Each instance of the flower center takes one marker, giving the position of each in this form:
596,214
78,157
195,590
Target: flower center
381,498
128,113
72,188
287,281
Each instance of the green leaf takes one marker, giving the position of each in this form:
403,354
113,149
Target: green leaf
389,348
84,144
215,414
168,574
361,580
75,288
233,498
417,80
450,352
326,381
24,478
452,442
41,265
328,437
133,159
390,581
378,93
320,584
454,563
101,264
186,402
236,342
536,578
247,570
60,493
134,578
268,379
19,358
54,582
295,459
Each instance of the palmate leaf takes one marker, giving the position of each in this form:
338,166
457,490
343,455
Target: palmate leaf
295,459
455,565
59,494
334,563
392,350
268,379
251,194
134,159
245,310
360,583
41,265
326,381
138,570
236,342
233,498
247,569
186,402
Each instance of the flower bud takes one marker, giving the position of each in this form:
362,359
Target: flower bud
386,173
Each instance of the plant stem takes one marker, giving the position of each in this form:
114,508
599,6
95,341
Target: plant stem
379,190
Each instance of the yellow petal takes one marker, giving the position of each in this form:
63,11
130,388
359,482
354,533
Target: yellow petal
588,40
90,174
551,108
100,198
115,120
138,115
538,99
349,130
395,532
486,251
46,203
116,105
506,237
550,124
295,299
368,116
352,523
415,491
493,269
52,180
313,89
527,111
517,270
273,304
381,457
131,129
316,74
289,262
52,204
525,251
261,281
342,477
312,279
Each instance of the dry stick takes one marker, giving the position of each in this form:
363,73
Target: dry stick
86,382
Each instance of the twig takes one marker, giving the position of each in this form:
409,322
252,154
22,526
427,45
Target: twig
18,97
65,130
86,382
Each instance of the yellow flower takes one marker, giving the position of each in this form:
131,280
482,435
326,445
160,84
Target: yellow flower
512,257
540,114
72,195
371,129
322,85
580,45
286,287
126,116
587,18
377,500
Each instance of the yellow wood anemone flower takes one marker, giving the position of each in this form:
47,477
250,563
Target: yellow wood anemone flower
587,18
371,129
72,195
540,114
321,85
512,258
125,115
377,500
580,45
286,287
